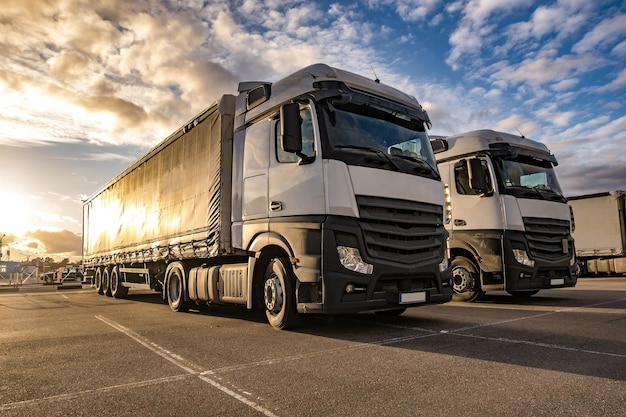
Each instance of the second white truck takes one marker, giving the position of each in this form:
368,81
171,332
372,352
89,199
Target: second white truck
510,226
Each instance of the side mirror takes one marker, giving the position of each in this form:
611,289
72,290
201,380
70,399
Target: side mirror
477,178
291,134
439,144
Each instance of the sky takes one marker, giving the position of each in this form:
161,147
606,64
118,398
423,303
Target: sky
89,86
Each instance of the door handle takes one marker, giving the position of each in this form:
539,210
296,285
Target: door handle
276,206
460,222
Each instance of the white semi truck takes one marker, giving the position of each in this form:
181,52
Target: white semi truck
510,226
293,197
600,232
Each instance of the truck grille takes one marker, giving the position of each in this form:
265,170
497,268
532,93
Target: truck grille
400,230
548,238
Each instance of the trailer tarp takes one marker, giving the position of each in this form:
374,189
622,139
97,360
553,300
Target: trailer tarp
173,203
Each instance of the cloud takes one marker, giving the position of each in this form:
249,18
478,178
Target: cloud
101,72
475,25
408,10
617,83
563,19
56,244
606,33
517,124
538,71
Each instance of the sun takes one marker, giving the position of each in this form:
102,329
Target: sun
16,213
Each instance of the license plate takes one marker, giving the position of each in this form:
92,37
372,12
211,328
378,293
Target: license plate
557,281
412,297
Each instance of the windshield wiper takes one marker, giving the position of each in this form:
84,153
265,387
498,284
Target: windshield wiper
373,150
541,188
425,167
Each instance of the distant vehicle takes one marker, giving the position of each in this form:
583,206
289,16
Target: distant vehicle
600,232
511,226
48,277
63,274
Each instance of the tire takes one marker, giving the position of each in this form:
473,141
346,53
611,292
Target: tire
175,288
523,293
106,282
466,280
97,281
581,268
117,290
279,295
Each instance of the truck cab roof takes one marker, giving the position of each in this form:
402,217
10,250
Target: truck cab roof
485,141
302,82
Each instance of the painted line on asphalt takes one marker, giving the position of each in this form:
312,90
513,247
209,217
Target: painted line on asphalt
539,344
96,391
185,365
456,332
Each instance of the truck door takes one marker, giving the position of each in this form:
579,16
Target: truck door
474,210
296,187
255,179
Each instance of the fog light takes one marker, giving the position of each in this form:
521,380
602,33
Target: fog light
522,257
351,259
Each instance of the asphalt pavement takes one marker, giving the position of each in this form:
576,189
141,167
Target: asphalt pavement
74,352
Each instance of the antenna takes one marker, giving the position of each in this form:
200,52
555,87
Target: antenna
520,133
376,80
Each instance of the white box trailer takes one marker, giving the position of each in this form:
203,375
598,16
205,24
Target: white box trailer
292,197
600,232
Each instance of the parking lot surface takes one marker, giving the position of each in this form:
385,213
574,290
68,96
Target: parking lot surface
559,353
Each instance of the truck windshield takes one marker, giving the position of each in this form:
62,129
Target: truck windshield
530,178
367,135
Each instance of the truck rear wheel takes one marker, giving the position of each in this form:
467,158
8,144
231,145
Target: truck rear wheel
106,282
117,290
279,295
97,281
466,280
175,288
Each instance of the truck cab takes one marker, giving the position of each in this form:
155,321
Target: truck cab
510,225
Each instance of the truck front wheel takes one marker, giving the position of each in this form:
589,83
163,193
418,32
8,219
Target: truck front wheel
279,295
466,280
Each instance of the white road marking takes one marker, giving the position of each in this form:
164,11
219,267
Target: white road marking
96,391
185,365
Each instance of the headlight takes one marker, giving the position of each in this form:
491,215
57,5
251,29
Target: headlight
443,265
351,259
448,203
522,257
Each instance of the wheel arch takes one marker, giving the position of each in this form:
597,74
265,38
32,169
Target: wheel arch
263,257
